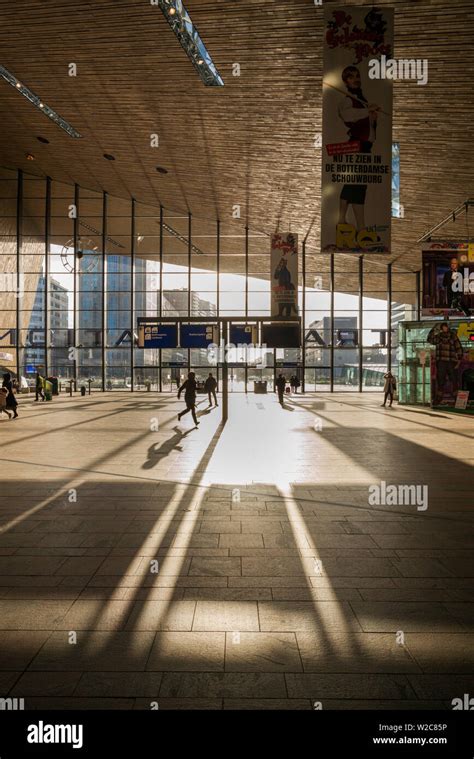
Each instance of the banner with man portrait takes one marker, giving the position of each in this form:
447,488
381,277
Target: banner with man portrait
357,130
284,274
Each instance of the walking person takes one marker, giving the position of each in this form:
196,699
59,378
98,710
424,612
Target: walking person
11,402
3,402
280,385
389,388
39,386
189,387
210,387
294,383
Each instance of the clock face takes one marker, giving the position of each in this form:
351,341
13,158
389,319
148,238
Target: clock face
85,259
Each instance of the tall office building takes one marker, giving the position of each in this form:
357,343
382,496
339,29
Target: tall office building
345,335
34,354
175,303
118,326
401,312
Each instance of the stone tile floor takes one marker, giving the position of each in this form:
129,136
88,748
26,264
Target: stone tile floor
238,567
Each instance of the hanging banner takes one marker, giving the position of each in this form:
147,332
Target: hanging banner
284,273
448,280
357,130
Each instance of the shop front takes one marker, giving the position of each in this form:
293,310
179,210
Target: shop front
436,365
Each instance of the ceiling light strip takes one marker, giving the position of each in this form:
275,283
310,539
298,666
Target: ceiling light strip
37,102
180,21
182,239
96,231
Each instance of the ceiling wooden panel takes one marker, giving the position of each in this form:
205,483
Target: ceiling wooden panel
249,143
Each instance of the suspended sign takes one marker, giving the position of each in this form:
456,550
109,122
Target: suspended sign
356,199
151,335
284,273
198,335
281,335
243,334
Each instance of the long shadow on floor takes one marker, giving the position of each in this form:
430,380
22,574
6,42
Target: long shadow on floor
241,589
262,597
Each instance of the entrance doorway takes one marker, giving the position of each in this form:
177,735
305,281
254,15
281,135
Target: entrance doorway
236,379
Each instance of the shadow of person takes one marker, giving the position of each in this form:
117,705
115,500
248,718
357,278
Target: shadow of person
205,411
424,413
157,452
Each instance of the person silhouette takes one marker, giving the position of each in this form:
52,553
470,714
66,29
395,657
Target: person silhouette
189,387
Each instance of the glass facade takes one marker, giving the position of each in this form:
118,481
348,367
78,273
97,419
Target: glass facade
78,267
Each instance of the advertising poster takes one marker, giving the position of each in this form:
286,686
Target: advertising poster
284,274
462,399
448,280
357,130
451,369
397,209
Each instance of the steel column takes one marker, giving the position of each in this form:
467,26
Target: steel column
19,289
303,320
104,290
418,295
361,321
75,282
331,321
47,239
132,291
389,317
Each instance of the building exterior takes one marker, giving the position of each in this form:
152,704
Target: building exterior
58,313
116,317
400,312
345,335
175,303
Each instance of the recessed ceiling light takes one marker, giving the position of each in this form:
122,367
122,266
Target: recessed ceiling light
161,170
43,139
30,157
109,157
37,102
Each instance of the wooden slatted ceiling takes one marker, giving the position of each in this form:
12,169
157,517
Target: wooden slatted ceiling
248,143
